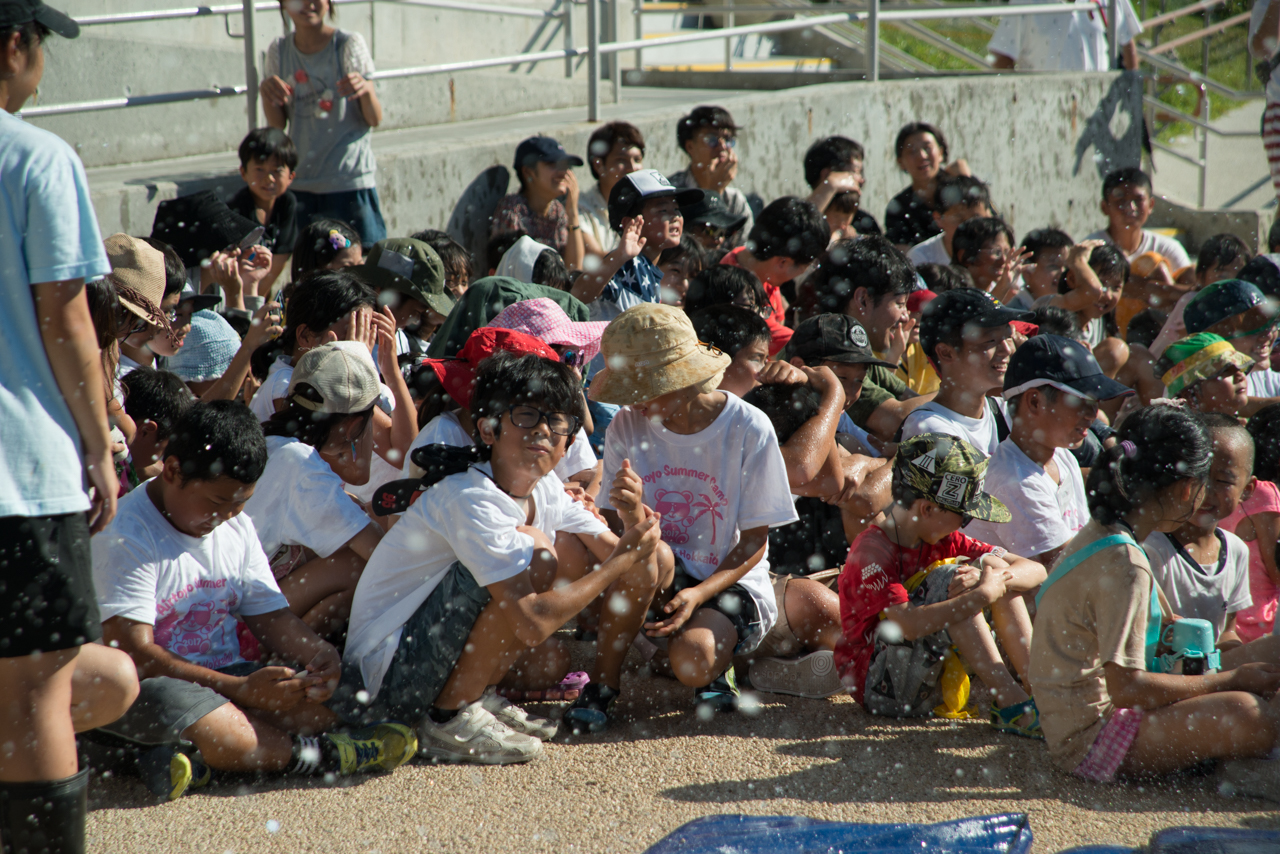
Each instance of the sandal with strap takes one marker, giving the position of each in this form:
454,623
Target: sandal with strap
1006,719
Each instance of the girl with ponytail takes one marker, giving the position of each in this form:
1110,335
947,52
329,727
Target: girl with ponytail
1098,620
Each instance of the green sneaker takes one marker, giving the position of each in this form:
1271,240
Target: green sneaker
381,747
169,773
721,695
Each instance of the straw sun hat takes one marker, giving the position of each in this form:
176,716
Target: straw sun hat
651,350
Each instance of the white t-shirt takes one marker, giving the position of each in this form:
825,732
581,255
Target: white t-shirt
446,429
465,518
1073,41
1204,592
1255,23
1264,383
276,386
1045,514
380,472
190,589
933,417
931,251
593,210
708,487
300,501
1171,249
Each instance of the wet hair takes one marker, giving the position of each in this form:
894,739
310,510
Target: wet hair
1055,320
703,117
158,396
264,143
870,262
845,202
976,233
688,254
1145,326
1264,274
550,270
1130,176
1104,260
1229,423
314,250
175,272
1040,239
789,227
1219,250
318,301
787,406
941,278
607,136
215,438
1264,427
457,261
1168,443
721,284
308,426
498,246
729,328
960,190
910,130
504,380
834,153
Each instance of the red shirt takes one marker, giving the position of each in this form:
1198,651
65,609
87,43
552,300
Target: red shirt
872,581
781,334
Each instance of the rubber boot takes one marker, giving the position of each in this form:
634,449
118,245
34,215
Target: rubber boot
44,817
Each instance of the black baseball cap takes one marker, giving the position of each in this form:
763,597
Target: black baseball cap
832,338
953,310
709,209
17,12
631,192
1065,364
198,225
1219,301
542,149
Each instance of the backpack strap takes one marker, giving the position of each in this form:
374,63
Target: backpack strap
1002,426
1079,557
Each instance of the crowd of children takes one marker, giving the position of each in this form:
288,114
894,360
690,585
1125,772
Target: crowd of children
362,488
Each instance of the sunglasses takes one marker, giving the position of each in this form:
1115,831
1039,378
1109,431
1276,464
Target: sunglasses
573,358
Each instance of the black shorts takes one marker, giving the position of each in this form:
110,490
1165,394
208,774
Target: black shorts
47,600
813,543
167,706
734,602
431,642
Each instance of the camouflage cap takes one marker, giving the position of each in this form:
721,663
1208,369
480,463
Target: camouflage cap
949,472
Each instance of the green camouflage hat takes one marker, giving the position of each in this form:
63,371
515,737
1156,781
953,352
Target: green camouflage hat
949,472
408,266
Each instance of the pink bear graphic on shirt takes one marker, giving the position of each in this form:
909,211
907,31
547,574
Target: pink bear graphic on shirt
191,633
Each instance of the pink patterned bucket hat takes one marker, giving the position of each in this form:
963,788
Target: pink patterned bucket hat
543,318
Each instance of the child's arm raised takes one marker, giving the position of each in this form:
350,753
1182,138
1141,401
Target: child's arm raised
1088,288
929,619
740,560
590,285
1130,688
265,326
271,688
809,447
285,634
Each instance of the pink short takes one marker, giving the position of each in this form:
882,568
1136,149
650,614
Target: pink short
1111,745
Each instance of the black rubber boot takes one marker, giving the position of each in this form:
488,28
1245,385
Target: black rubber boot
44,818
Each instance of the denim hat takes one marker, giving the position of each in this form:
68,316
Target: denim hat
542,149
207,350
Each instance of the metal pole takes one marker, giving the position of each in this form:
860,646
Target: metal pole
639,34
728,42
567,27
615,59
250,67
1113,33
1204,145
593,60
873,40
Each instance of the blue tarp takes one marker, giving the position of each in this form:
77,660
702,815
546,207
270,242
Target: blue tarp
747,834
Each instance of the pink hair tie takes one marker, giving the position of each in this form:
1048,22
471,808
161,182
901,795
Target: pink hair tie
1128,449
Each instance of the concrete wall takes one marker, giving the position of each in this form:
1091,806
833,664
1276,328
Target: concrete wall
1043,142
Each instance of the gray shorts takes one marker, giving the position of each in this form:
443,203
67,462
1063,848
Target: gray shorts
167,706
430,645
902,681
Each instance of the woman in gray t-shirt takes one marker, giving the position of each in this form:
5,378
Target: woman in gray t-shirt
315,83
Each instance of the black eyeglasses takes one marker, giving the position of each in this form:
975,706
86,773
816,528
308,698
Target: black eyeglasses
528,417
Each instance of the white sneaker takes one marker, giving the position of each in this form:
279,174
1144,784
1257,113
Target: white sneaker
515,717
813,675
1256,778
475,735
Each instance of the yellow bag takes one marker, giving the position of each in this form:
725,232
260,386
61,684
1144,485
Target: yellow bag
954,683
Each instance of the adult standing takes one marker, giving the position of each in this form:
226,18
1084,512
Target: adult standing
709,136
316,85
1264,44
53,680
614,150
1073,41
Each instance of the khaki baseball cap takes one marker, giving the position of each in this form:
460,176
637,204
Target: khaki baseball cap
342,372
949,472
651,350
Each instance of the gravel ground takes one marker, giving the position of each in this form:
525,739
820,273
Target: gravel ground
659,768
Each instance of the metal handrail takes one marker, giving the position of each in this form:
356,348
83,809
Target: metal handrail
1173,68
1165,47
271,6
136,101
1160,20
1192,120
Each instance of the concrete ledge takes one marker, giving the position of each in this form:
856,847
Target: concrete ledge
1197,226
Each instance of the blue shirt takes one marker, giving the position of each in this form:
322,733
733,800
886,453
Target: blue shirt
48,233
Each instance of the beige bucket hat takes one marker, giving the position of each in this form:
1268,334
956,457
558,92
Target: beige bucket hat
651,350
137,271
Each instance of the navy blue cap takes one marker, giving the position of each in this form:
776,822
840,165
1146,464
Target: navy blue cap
14,13
1063,363
542,149
953,310
1219,301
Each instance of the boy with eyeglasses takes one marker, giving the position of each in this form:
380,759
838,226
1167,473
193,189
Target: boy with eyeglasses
709,136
